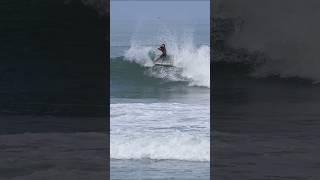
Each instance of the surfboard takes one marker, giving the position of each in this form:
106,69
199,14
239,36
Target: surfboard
164,64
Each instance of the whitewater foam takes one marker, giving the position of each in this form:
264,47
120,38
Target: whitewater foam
160,131
177,147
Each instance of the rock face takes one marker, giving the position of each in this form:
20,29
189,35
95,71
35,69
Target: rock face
54,58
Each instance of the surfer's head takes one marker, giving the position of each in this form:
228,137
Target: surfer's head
163,45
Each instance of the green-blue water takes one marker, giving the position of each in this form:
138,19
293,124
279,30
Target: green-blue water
159,115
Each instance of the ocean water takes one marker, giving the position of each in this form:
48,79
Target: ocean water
266,110
160,116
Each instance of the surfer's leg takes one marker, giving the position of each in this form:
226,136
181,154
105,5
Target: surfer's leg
160,57
157,60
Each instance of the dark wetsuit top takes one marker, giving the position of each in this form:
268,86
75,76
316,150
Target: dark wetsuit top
163,50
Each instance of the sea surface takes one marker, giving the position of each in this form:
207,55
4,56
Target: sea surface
265,112
160,116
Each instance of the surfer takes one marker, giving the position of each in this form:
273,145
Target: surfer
163,49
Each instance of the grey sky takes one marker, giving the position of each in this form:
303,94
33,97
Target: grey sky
165,10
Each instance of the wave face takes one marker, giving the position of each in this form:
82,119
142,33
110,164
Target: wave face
284,31
137,66
160,131
124,71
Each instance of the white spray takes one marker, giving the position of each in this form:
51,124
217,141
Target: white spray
194,61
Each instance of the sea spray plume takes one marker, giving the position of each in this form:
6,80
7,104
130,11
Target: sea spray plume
286,31
196,64
194,61
140,55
